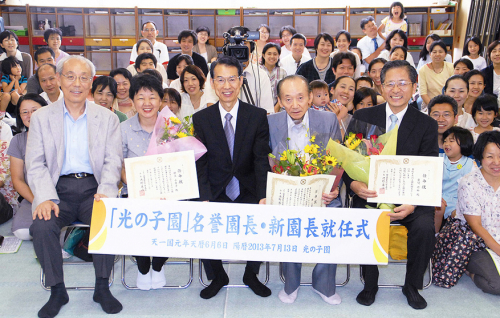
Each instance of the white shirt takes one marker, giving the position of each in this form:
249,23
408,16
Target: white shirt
421,62
260,87
160,51
233,112
496,83
5,132
386,54
465,120
285,52
176,84
298,133
289,65
187,107
388,113
46,97
478,63
367,46
160,68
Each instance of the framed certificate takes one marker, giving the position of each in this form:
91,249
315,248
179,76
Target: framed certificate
415,180
298,191
170,176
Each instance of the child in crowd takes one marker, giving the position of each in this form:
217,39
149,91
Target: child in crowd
472,50
321,97
171,99
13,83
364,81
363,66
398,53
363,98
394,21
484,112
458,144
462,66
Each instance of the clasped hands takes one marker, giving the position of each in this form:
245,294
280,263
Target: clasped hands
400,212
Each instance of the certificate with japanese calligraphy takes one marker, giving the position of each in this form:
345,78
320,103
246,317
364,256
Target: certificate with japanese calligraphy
170,176
415,180
298,191
237,231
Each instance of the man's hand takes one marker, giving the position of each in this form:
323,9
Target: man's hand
329,197
361,189
99,196
401,212
44,210
262,201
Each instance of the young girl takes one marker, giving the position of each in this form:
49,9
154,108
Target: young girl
172,100
457,88
462,66
396,38
271,66
394,21
342,92
363,98
9,44
458,144
472,50
484,111
398,53
13,83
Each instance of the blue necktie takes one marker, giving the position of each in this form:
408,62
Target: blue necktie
233,187
375,43
394,120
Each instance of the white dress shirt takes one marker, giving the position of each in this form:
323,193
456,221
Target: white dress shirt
233,112
298,133
285,52
290,66
46,97
160,51
367,46
388,113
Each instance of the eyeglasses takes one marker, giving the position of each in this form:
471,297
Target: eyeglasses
222,80
149,30
437,115
401,84
73,77
26,112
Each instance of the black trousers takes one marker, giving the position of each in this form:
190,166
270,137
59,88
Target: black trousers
76,200
213,267
421,241
486,275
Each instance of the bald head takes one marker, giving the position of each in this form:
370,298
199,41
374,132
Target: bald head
288,79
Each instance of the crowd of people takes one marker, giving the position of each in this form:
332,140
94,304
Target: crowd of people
57,161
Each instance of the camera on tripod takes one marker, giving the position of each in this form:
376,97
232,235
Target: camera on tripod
234,40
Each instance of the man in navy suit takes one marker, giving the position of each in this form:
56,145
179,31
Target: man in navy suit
234,169
417,136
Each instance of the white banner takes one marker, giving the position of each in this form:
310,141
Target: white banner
239,231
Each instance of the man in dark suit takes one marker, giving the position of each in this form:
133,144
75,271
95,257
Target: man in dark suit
417,136
235,167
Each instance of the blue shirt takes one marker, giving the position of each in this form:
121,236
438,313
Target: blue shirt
76,144
452,173
8,80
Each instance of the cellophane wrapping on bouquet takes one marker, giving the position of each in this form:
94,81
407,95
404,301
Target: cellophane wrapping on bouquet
172,134
362,141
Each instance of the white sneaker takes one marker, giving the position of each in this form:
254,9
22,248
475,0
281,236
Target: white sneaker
288,299
158,279
144,281
332,300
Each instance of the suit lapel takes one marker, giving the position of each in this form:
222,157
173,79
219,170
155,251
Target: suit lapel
216,124
241,127
281,131
93,125
407,125
57,129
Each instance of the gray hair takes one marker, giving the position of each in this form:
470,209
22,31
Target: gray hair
290,78
60,64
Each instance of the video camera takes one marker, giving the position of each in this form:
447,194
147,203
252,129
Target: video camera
234,40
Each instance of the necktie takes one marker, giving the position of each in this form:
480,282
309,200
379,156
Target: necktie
375,43
394,120
233,187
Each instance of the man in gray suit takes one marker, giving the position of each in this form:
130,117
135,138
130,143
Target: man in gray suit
73,156
295,127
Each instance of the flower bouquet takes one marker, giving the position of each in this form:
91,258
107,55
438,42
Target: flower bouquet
172,134
355,154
